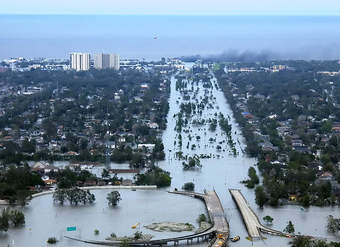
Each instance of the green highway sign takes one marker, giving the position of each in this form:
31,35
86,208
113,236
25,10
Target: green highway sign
71,228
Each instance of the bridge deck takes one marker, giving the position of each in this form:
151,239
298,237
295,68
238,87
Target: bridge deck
253,225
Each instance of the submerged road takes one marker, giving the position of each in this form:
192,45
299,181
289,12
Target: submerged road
218,232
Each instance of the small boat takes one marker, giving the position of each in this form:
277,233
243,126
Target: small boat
235,239
135,226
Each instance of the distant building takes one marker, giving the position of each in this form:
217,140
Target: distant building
80,61
101,61
106,61
114,61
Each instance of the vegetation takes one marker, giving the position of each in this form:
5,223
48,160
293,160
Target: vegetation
74,196
138,235
113,198
193,162
154,176
302,241
190,186
17,218
85,104
333,224
289,228
52,240
268,219
253,178
226,127
67,178
201,218
15,183
9,218
289,126
260,196
96,232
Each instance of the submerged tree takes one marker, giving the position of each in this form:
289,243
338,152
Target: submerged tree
11,217
289,228
17,217
261,197
113,198
268,219
333,224
190,186
74,196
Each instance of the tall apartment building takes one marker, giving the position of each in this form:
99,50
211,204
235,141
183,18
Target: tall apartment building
80,61
101,61
114,61
105,61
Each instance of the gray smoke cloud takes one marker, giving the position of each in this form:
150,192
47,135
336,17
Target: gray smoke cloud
242,56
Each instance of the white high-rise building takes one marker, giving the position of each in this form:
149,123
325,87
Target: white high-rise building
105,61
114,61
102,61
80,61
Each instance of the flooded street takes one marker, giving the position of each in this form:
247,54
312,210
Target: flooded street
220,172
227,172
45,219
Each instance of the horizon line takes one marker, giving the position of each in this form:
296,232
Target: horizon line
184,14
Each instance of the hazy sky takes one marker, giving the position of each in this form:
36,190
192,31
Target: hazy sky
178,7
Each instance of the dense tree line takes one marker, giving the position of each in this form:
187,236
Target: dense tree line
154,176
15,183
74,196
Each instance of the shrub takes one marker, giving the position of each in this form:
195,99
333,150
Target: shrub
113,198
201,218
52,240
268,219
190,186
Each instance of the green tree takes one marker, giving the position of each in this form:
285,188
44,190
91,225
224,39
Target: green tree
190,186
138,235
333,224
17,218
289,228
325,190
305,200
201,218
52,240
105,173
113,198
154,176
260,196
268,219
74,196
4,220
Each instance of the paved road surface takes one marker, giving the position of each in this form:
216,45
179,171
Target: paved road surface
253,225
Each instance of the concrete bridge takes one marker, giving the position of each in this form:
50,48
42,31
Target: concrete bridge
217,234
250,219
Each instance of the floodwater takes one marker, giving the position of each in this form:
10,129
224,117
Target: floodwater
45,219
227,172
